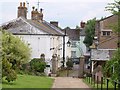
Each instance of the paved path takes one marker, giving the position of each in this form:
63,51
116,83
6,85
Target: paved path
68,82
75,71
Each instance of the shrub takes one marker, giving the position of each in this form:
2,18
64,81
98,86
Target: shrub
69,63
38,65
35,67
14,53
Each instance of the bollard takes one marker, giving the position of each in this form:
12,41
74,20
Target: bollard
94,80
115,85
101,83
97,82
91,79
118,85
107,83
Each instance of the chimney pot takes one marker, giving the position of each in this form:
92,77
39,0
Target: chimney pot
35,15
82,24
20,4
22,10
41,10
33,8
36,9
23,4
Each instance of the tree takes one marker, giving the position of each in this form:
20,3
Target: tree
67,28
111,68
77,27
90,32
114,8
14,53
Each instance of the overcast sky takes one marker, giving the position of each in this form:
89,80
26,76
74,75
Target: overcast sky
66,12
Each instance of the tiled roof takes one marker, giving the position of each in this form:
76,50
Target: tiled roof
110,43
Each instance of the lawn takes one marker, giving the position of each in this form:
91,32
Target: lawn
27,81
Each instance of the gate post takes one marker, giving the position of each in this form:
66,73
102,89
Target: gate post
54,65
81,67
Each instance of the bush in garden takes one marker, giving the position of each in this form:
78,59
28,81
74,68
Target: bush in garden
14,53
38,65
69,63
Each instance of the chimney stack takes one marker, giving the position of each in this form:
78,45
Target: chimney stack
82,24
22,10
35,15
55,23
41,14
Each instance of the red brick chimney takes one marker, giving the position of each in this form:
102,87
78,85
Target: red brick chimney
35,15
55,23
22,10
82,24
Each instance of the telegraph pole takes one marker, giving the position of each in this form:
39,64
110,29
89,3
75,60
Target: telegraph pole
64,49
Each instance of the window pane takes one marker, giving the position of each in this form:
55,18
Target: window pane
104,33
108,33
73,53
73,44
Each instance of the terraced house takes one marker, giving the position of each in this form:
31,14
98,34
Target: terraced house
43,37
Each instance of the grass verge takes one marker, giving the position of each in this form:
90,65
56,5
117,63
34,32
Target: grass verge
91,83
28,81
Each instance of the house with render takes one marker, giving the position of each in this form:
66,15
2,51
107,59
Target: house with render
76,37
105,42
41,36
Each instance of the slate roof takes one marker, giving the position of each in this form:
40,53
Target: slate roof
21,24
74,34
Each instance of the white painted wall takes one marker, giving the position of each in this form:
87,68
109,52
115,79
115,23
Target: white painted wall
38,44
41,44
82,45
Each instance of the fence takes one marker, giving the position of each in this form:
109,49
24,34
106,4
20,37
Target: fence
105,83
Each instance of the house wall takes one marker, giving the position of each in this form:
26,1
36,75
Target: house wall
82,45
76,49
38,44
42,43
80,48
107,25
107,44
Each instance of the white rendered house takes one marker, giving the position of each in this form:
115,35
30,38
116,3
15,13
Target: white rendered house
41,36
